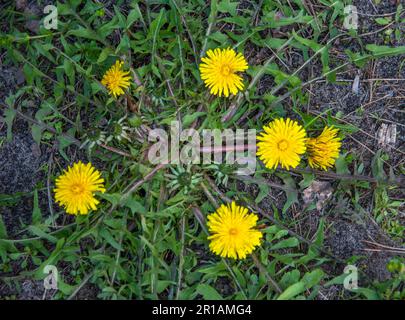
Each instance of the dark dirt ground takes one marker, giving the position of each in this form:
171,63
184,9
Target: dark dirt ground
22,161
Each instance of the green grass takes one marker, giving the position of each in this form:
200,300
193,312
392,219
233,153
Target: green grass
148,238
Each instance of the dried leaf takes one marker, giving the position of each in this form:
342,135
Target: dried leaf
387,136
319,191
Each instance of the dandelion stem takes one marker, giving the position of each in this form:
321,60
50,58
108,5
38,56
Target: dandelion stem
263,270
220,149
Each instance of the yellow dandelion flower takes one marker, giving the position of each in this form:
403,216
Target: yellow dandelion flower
116,79
75,188
324,149
282,142
218,71
233,233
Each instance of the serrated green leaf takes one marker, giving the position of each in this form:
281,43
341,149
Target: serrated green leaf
113,198
377,166
226,6
368,293
105,233
291,191
208,292
135,206
36,212
190,118
82,32
383,21
9,116
286,243
312,278
36,131
292,291
3,229
385,51
42,234
133,15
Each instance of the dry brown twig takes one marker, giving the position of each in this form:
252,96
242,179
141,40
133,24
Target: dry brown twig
380,248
